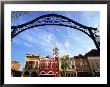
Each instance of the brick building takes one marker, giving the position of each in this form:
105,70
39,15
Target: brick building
36,66
15,69
15,65
94,62
82,66
41,67
79,66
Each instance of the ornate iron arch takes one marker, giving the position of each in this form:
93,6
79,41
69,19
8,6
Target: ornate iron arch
55,19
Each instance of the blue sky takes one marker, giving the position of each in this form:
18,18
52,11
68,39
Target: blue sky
41,40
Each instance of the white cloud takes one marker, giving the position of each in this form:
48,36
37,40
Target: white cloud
91,19
66,44
46,40
22,42
27,45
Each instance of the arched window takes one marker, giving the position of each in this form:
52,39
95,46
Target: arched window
42,72
97,65
46,64
36,66
26,74
50,72
33,74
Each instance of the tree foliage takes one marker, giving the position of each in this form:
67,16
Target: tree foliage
65,63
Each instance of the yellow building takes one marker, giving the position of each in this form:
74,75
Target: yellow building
31,65
94,62
15,65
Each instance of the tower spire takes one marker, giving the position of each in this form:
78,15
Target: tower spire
55,50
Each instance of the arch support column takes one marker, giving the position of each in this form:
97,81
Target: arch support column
94,39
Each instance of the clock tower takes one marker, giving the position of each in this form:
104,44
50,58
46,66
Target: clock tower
55,50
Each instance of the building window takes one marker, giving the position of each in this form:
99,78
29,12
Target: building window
92,67
57,66
33,64
30,64
97,65
46,64
52,65
69,75
36,66
72,66
78,64
74,75
26,66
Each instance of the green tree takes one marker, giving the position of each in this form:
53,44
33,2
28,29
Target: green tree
65,64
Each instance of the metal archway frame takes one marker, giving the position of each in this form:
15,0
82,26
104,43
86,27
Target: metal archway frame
59,20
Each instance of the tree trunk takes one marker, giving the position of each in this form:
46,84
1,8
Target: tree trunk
65,73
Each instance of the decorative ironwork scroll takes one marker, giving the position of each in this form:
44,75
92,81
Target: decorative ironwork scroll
55,19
